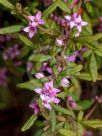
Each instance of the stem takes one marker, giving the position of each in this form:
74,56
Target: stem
78,8
46,31
91,111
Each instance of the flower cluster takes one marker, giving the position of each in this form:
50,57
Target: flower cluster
11,52
76,21
48,95
34,21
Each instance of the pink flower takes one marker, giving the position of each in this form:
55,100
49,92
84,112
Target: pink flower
36,20
39,75
46,67
76,21
30,29
59,42
35,107
48,94
11,52
65,82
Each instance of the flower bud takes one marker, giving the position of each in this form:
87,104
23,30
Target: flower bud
39,75
59,42
73,105
69,98
65,82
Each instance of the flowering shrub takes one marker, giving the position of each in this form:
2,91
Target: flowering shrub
60,50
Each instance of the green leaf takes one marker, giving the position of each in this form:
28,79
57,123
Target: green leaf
50,9
63,6
62,110
87,53
38,133
53,119
83,105
92,123
31,85
93,67
80,130
40,57
7,4
66,132
26,41
88,39
11,29
88,7
29,123
80,115
87,76
98,52
71,70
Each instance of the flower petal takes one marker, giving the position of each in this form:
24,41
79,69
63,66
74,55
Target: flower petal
41,21
84,23
48,106
31,34
79,27
38,15
26,29
68,18
56,100
31,18
72,24
38,90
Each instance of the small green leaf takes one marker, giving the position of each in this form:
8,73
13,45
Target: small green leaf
11,29
87,76
80,130
93,67
98,52
88,7
50,9
39,57
87,53
92,123
62,110
31,85
53,119
88,39
26,41
83,105
66,132
29,123
71,70
63,6
80,115
7,4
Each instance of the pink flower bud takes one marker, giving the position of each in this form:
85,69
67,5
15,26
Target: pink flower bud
69,98
59,42
73,105
39,75
65,82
